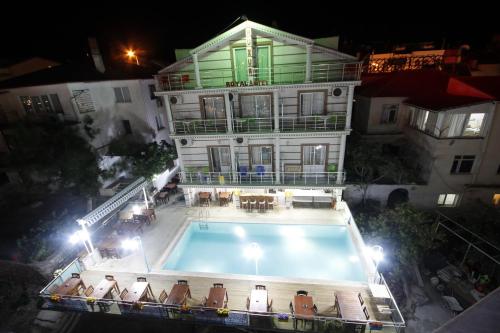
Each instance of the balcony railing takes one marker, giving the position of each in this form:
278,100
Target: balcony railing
263,178
334,122
285,74
200,126
248,125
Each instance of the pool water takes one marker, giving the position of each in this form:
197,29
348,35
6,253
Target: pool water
292,251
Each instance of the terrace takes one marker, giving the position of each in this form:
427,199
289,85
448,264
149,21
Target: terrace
159,238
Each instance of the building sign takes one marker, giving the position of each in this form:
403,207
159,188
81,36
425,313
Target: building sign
246,83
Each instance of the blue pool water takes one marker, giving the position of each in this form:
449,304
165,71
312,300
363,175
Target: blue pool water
292,251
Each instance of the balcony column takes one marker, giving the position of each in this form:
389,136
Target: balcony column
277,159
276,109
170,120
179,157
350,96
229,112
233,161
197,71
308,63
340,177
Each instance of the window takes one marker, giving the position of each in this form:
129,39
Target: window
220,158
462,164
56,104
261,155
213,107
122,95
474,124
496,199
418,118
83,100
258,106
159,122
447,200
152,90
389,113
312,103
314,155
466,124
27,103
127,127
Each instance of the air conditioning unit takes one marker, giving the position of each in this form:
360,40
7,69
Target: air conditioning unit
241,141
175,99
186,142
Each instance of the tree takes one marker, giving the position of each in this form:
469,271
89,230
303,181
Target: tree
54,153
144,160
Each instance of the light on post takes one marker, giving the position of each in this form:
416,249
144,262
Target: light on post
134,244
131,54
376,252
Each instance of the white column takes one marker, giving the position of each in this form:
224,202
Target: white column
229,112
197,71
179,156
350,96
340,178
233,160
277,164
308,63
170,119
276,109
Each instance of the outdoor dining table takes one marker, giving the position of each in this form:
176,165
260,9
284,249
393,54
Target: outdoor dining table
204,197
127,213
178,294
104,288
70,287
224,198
258,300
348,305
216,297
140,291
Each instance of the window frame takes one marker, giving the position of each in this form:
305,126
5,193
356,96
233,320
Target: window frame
204,111
209,154
443,197
121,90
240,104
250,157
299,102
302,161
457,164
386,114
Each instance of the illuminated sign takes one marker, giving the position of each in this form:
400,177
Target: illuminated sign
246,83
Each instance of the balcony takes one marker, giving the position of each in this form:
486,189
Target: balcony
334,122
277,75
200,126
263,178
252,125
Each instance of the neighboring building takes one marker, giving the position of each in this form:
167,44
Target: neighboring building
260,108
451,121
12,69
120,101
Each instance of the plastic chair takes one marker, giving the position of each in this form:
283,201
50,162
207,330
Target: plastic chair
141,279
301,293
260,170
262,205
109,277
245,204
218,285
253,204
260,287
182,282
243,172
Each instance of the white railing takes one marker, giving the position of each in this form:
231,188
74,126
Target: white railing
284,74
263,178
334,122
197,126
242,125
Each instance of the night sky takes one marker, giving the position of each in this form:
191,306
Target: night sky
61,33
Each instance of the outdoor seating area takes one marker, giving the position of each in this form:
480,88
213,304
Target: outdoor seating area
260,202
163,195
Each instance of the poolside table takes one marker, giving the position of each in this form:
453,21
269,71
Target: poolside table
258,300
178,294
348,305
70,287
205,197
303,308
140,291
104,288
224,198
217,298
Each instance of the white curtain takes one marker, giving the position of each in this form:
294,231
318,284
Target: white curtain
258,106
456,127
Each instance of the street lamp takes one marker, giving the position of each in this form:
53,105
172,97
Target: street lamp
134,244
131,55
84,237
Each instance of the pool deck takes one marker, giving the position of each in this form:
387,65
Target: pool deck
161,236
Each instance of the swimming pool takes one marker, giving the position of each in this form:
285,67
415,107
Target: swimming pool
291,251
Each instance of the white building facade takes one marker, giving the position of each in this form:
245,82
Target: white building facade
454,132
260,110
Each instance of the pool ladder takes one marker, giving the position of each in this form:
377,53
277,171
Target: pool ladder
203,217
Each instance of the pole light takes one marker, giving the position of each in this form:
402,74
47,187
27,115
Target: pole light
131,55
134,244
81,236
376,252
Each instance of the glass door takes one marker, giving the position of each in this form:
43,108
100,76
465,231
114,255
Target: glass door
240,64
220,159
264,63
314,158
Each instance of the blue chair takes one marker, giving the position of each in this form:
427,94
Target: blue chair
260,170
243,171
